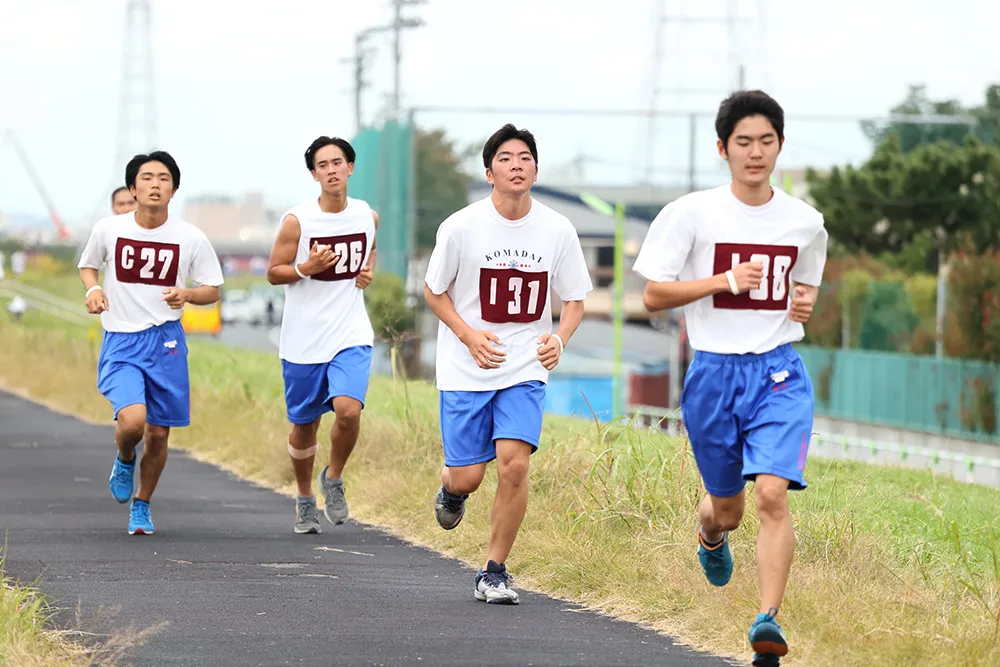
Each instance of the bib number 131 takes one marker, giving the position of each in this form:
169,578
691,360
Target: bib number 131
510,295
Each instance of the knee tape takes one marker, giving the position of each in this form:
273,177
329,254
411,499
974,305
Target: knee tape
302,453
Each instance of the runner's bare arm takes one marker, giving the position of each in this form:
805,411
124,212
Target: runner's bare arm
97,301
280,268
89,277
365,277
203,295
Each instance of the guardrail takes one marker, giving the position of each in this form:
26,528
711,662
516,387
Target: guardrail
47,303
965,467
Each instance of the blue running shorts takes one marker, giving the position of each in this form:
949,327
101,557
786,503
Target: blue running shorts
148,368
746,415
472,421
311,388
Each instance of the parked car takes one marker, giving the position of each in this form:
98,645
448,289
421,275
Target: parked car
244,307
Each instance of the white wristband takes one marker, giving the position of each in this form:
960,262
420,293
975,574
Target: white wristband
95,287
733,287
561,346
301,275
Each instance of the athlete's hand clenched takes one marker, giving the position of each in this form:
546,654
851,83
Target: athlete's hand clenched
748,276
480,344
320,259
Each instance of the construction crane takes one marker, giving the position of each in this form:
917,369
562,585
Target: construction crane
61,232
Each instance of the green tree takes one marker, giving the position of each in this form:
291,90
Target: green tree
984,125
974,302
386,300
441,186
914,205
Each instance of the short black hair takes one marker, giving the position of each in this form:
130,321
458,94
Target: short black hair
505,134
132,168
320,142
745,103
120,188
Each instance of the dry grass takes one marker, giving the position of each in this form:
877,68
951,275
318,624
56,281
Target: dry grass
893,567
27,637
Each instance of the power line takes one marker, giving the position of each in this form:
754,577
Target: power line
914,119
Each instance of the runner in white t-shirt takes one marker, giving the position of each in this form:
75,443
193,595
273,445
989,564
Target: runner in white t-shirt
122,201
147,256
745,261
496,265
324,255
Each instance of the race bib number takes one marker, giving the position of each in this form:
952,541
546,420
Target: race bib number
777,261
511,295
146,262
351,251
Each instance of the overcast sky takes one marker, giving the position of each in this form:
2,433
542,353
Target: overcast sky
241,92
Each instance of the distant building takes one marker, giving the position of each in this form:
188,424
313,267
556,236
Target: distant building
642,201
226,219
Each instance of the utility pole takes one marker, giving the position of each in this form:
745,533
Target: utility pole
361,52
398,23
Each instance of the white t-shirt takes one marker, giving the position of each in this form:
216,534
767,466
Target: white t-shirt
326,313
17,262
501,275
139,264
706,233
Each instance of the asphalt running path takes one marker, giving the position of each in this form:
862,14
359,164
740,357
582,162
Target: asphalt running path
237,587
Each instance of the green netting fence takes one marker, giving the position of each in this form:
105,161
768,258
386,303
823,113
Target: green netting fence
383,178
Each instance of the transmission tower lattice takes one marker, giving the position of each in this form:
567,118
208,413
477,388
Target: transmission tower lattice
137,122
738,31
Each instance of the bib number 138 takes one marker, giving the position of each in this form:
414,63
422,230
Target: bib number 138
776,262
510,295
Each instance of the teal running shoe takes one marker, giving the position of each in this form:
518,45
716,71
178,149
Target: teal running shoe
717,561
767,640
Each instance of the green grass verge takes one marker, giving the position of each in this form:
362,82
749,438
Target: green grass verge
892,567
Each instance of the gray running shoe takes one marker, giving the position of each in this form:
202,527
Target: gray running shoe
306,517
449,509
333,494
493,585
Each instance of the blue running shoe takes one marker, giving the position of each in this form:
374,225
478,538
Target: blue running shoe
717,561
139,522
767,640
120,481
